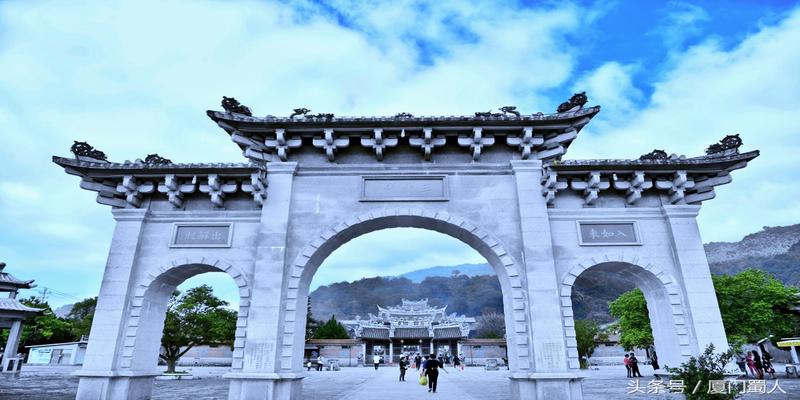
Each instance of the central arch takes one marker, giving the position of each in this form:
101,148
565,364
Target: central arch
308,261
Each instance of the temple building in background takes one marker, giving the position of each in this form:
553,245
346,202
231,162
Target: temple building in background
410,328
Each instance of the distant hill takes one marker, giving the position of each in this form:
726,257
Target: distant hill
445,271
772,249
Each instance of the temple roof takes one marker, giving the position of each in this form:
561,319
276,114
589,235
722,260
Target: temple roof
7,304
267,123
270,138
9,282
76,166
698,164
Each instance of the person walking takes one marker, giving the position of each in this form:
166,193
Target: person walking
376,361
403,366
456,362
741,363
751,364
635,366
431,370
627,362
320,362
759,366
654,361
768,368
417,362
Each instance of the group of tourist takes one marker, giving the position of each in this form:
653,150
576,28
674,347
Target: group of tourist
757,364
632,365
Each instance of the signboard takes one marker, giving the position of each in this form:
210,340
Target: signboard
608,233
39,356
202,235
404,188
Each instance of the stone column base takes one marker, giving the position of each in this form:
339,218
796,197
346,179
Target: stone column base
546,386
112,385
265,386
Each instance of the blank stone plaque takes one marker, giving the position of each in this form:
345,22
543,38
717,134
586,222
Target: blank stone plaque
404,188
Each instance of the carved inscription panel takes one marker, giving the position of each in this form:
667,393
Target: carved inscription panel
202,235
604,233
404,188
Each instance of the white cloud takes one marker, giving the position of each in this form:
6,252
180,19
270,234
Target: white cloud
750,89
682,21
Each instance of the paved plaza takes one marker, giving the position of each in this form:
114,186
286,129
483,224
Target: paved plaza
55,383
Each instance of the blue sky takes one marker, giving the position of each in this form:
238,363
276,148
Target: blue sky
134,78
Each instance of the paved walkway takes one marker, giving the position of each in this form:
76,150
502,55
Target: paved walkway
610,383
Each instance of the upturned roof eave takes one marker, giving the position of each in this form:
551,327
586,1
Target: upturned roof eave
241,121
622,165
110,169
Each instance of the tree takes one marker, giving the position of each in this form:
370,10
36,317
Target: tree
700,371
491,325
331,329
41,328
311,324
634,322
755,305
586,333
81,316
197,317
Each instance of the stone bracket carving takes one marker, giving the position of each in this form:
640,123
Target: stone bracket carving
257,186
281,144
476,142
134,190
590,186
329,142
378,142
677,186
427,142
175,189
106,192
633,186
551,184
526,142
217,189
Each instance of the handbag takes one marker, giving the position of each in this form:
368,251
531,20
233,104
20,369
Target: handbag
423,380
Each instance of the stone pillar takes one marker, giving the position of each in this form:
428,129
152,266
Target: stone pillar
364,353
458,350
432,350
692,268
553,377
12,344
106,374
267,372
793,352
391,353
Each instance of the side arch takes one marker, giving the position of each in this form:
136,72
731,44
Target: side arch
305,265
664,298
148,307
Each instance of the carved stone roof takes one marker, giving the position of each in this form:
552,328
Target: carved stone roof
683,180
447,333
411,333
540,136
375,333
114,168
126,185
272,122
9,282
7,304
670,164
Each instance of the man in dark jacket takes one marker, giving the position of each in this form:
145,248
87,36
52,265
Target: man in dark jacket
431,369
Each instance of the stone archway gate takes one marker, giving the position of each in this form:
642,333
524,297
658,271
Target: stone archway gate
312,182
